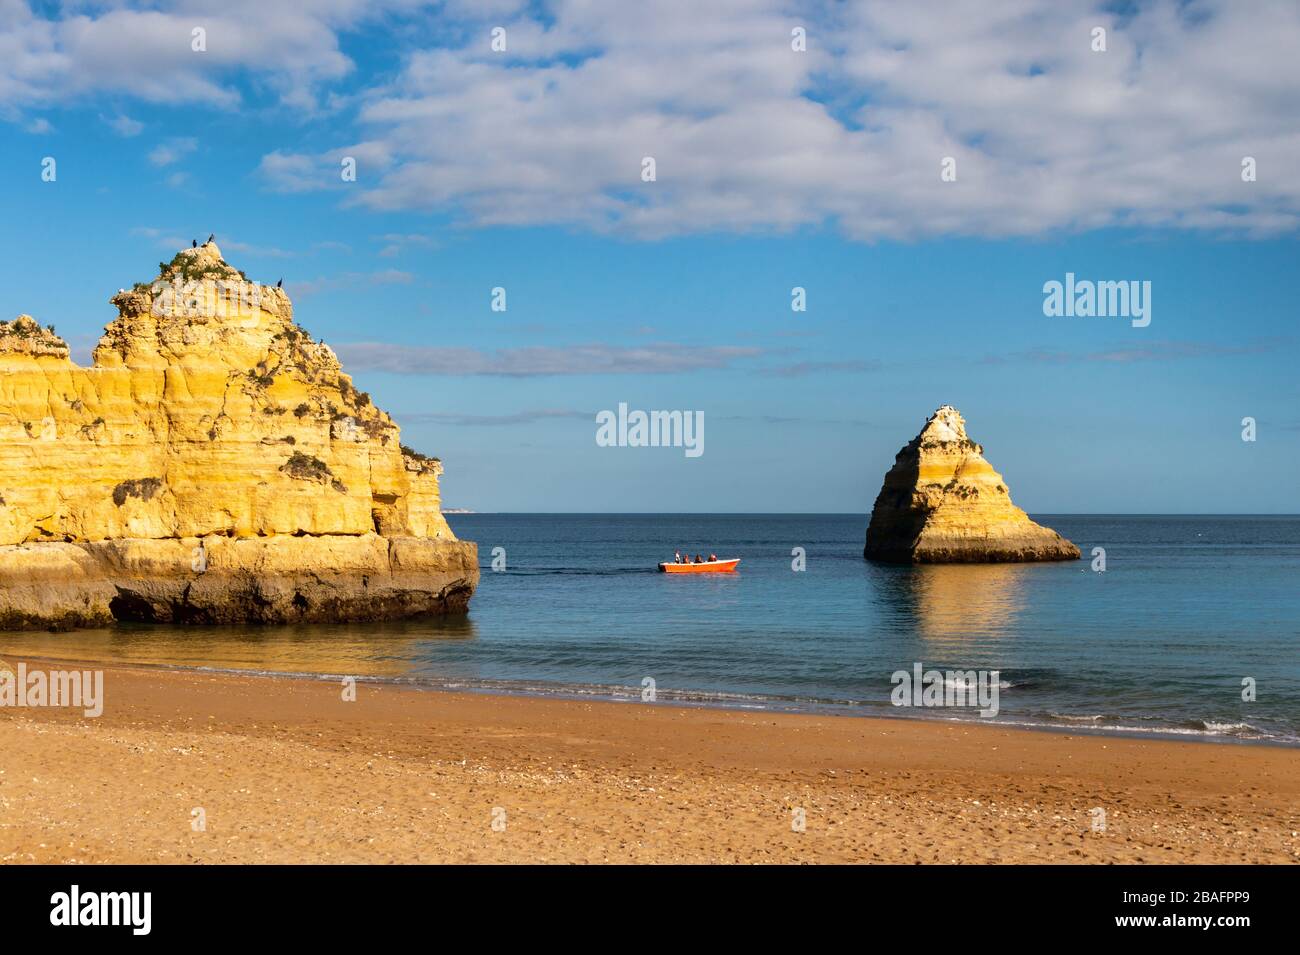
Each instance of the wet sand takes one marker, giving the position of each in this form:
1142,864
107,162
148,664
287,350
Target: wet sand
285,770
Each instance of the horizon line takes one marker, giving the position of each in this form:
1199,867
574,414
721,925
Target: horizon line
461,513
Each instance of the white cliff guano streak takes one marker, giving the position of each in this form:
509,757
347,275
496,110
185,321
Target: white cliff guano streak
943,503
213,465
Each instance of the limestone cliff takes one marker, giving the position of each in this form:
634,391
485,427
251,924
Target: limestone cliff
943,503
215,464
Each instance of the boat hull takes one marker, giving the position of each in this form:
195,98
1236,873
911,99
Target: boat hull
704,567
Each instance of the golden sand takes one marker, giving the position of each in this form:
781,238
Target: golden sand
285,770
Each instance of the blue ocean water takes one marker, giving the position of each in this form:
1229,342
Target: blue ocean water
1161,641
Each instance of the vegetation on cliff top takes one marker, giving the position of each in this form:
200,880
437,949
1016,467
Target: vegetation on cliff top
191,268
423,461
24,334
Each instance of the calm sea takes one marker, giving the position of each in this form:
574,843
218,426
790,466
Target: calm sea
1187,608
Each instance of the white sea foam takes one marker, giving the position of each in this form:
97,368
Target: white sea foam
961,684
1231,729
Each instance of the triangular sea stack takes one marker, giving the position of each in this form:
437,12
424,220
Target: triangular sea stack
214,465
942,503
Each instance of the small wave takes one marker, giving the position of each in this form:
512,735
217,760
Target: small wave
1244,730
960,684
1200,728
1129,726
622,693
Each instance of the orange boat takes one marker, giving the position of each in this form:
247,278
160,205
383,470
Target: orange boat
703,567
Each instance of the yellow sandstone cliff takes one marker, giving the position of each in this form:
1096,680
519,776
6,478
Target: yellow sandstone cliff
943,503
213,465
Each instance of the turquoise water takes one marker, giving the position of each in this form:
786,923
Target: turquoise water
1160,642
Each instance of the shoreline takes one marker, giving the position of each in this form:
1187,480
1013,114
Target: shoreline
606,693
285,770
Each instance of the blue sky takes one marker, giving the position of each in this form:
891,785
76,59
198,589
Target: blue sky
776,169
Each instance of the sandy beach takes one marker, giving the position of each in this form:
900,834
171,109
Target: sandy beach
286,770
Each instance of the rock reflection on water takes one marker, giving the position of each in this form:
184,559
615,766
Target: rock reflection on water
385,650
954,603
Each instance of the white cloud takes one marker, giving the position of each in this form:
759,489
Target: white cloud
170,238
303,172
292,172
248,248
589,359
395,243
172,151
344,280
749,135
1148,351
148,53
124,126
529,416
162,238
331,245
802,369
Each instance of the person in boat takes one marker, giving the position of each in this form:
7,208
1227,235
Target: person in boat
677,557
712,558
699,559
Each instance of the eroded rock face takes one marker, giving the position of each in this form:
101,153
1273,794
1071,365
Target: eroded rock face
943,503
209,415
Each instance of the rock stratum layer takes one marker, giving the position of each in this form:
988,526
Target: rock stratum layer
943,503
214,465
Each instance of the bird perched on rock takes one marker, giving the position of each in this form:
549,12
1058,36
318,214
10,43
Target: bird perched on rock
194,243
211,238
280,284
